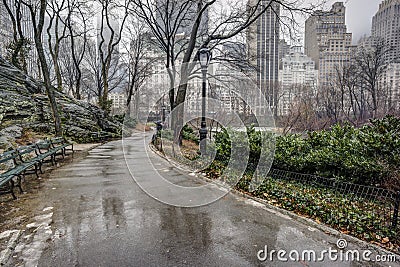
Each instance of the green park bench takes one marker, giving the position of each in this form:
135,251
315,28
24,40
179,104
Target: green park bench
47,150
59,146
29,160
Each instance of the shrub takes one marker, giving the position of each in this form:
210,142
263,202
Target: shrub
369,155
189,134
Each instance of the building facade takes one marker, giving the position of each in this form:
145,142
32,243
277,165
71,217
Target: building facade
327,42
118,102
389,87
297,71
386,25
263,52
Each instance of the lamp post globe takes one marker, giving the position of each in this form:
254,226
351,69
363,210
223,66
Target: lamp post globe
204,58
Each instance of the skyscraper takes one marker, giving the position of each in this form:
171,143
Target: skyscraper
386,25
263,51
327,41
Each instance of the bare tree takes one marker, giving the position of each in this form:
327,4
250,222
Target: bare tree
91,80
140,64
371,65
20,44
77,25
165,18
58,27
37,11
303,112
110,36
351,99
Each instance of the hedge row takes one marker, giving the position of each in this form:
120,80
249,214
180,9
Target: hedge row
369,155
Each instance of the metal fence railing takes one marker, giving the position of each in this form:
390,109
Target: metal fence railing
364,205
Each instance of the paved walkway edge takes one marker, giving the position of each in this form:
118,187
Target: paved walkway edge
304,220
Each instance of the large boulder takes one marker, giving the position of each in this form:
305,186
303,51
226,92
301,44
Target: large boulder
23,103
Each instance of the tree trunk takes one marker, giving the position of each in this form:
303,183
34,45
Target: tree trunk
137,99
78,85
38,29
104,97
177,120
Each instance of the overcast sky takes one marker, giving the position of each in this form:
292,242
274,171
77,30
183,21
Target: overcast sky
359,15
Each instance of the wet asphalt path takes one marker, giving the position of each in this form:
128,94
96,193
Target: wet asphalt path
102,218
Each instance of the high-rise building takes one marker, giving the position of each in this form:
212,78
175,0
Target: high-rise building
327,41
298,71
284,49
389,86
263,51
386,25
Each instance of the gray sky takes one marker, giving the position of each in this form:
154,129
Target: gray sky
359,15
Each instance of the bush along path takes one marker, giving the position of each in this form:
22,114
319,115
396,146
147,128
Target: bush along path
369,155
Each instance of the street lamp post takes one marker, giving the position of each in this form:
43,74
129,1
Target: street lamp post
204,59
163,113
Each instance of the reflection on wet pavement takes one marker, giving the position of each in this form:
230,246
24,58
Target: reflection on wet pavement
113,210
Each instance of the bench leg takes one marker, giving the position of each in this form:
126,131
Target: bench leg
12,189
40,167
36,170
19,180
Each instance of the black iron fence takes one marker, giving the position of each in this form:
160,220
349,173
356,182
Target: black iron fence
365,210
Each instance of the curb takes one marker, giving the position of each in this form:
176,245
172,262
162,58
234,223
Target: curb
307,221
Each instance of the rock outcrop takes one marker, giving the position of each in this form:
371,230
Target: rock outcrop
23,103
